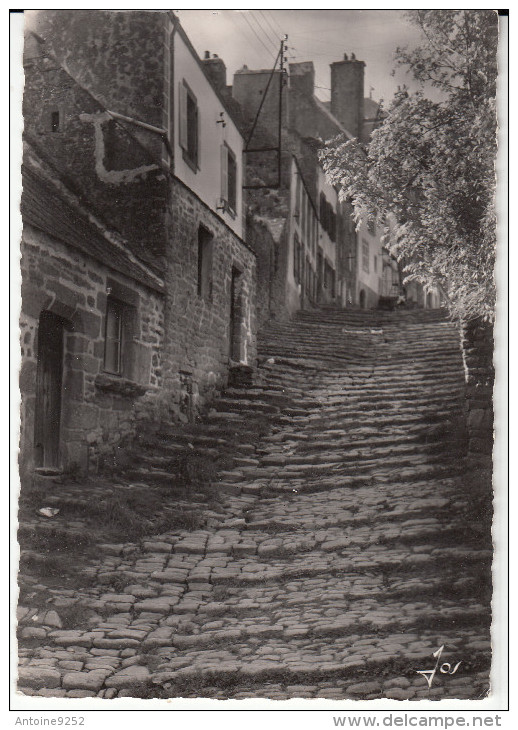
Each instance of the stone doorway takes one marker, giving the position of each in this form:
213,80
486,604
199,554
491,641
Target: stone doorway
49,379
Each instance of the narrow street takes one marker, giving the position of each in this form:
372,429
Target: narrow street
347,556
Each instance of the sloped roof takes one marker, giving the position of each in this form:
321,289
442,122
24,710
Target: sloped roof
320,105
47,206
370,108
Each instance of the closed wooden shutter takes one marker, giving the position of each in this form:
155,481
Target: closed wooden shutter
182,121
224,172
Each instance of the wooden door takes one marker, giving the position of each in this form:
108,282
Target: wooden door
49,378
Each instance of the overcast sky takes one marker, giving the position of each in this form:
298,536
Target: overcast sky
252,37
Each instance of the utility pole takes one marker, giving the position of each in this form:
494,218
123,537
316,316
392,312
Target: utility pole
282,83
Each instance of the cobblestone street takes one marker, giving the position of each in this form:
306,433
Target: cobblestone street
348,551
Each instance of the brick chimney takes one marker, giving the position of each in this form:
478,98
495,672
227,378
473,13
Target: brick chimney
216,70
347,93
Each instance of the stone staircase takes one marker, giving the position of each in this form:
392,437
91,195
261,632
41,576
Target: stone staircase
348,554
355,546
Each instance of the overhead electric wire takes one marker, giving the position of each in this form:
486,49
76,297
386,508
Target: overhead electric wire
275,33
258,38
262,100
276,23
252,40
266,34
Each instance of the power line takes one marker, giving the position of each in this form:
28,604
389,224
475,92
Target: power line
279,56
276,23
258,37
331,54
241,30
265,33
269,24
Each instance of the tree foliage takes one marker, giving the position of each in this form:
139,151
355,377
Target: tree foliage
430,167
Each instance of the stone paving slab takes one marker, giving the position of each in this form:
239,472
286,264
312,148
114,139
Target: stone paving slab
342,559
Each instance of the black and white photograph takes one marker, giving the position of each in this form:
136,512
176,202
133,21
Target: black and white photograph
262,264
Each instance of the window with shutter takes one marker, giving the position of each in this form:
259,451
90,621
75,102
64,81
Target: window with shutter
232,181
188,126
182,97
224,172
228,180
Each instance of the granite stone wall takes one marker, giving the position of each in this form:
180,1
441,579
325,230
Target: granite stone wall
116,55
477,349
271,286
197,345
113,165
99,411
183,341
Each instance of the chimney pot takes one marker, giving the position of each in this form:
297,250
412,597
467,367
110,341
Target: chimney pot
353,57
346,57
215,69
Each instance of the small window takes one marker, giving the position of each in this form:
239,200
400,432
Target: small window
205,246
54,121
375,263
365,256
189,136
229,179
113,343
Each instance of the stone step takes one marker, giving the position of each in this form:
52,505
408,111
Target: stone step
333,567
301,482
261,394
394,617
240,406
346,665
